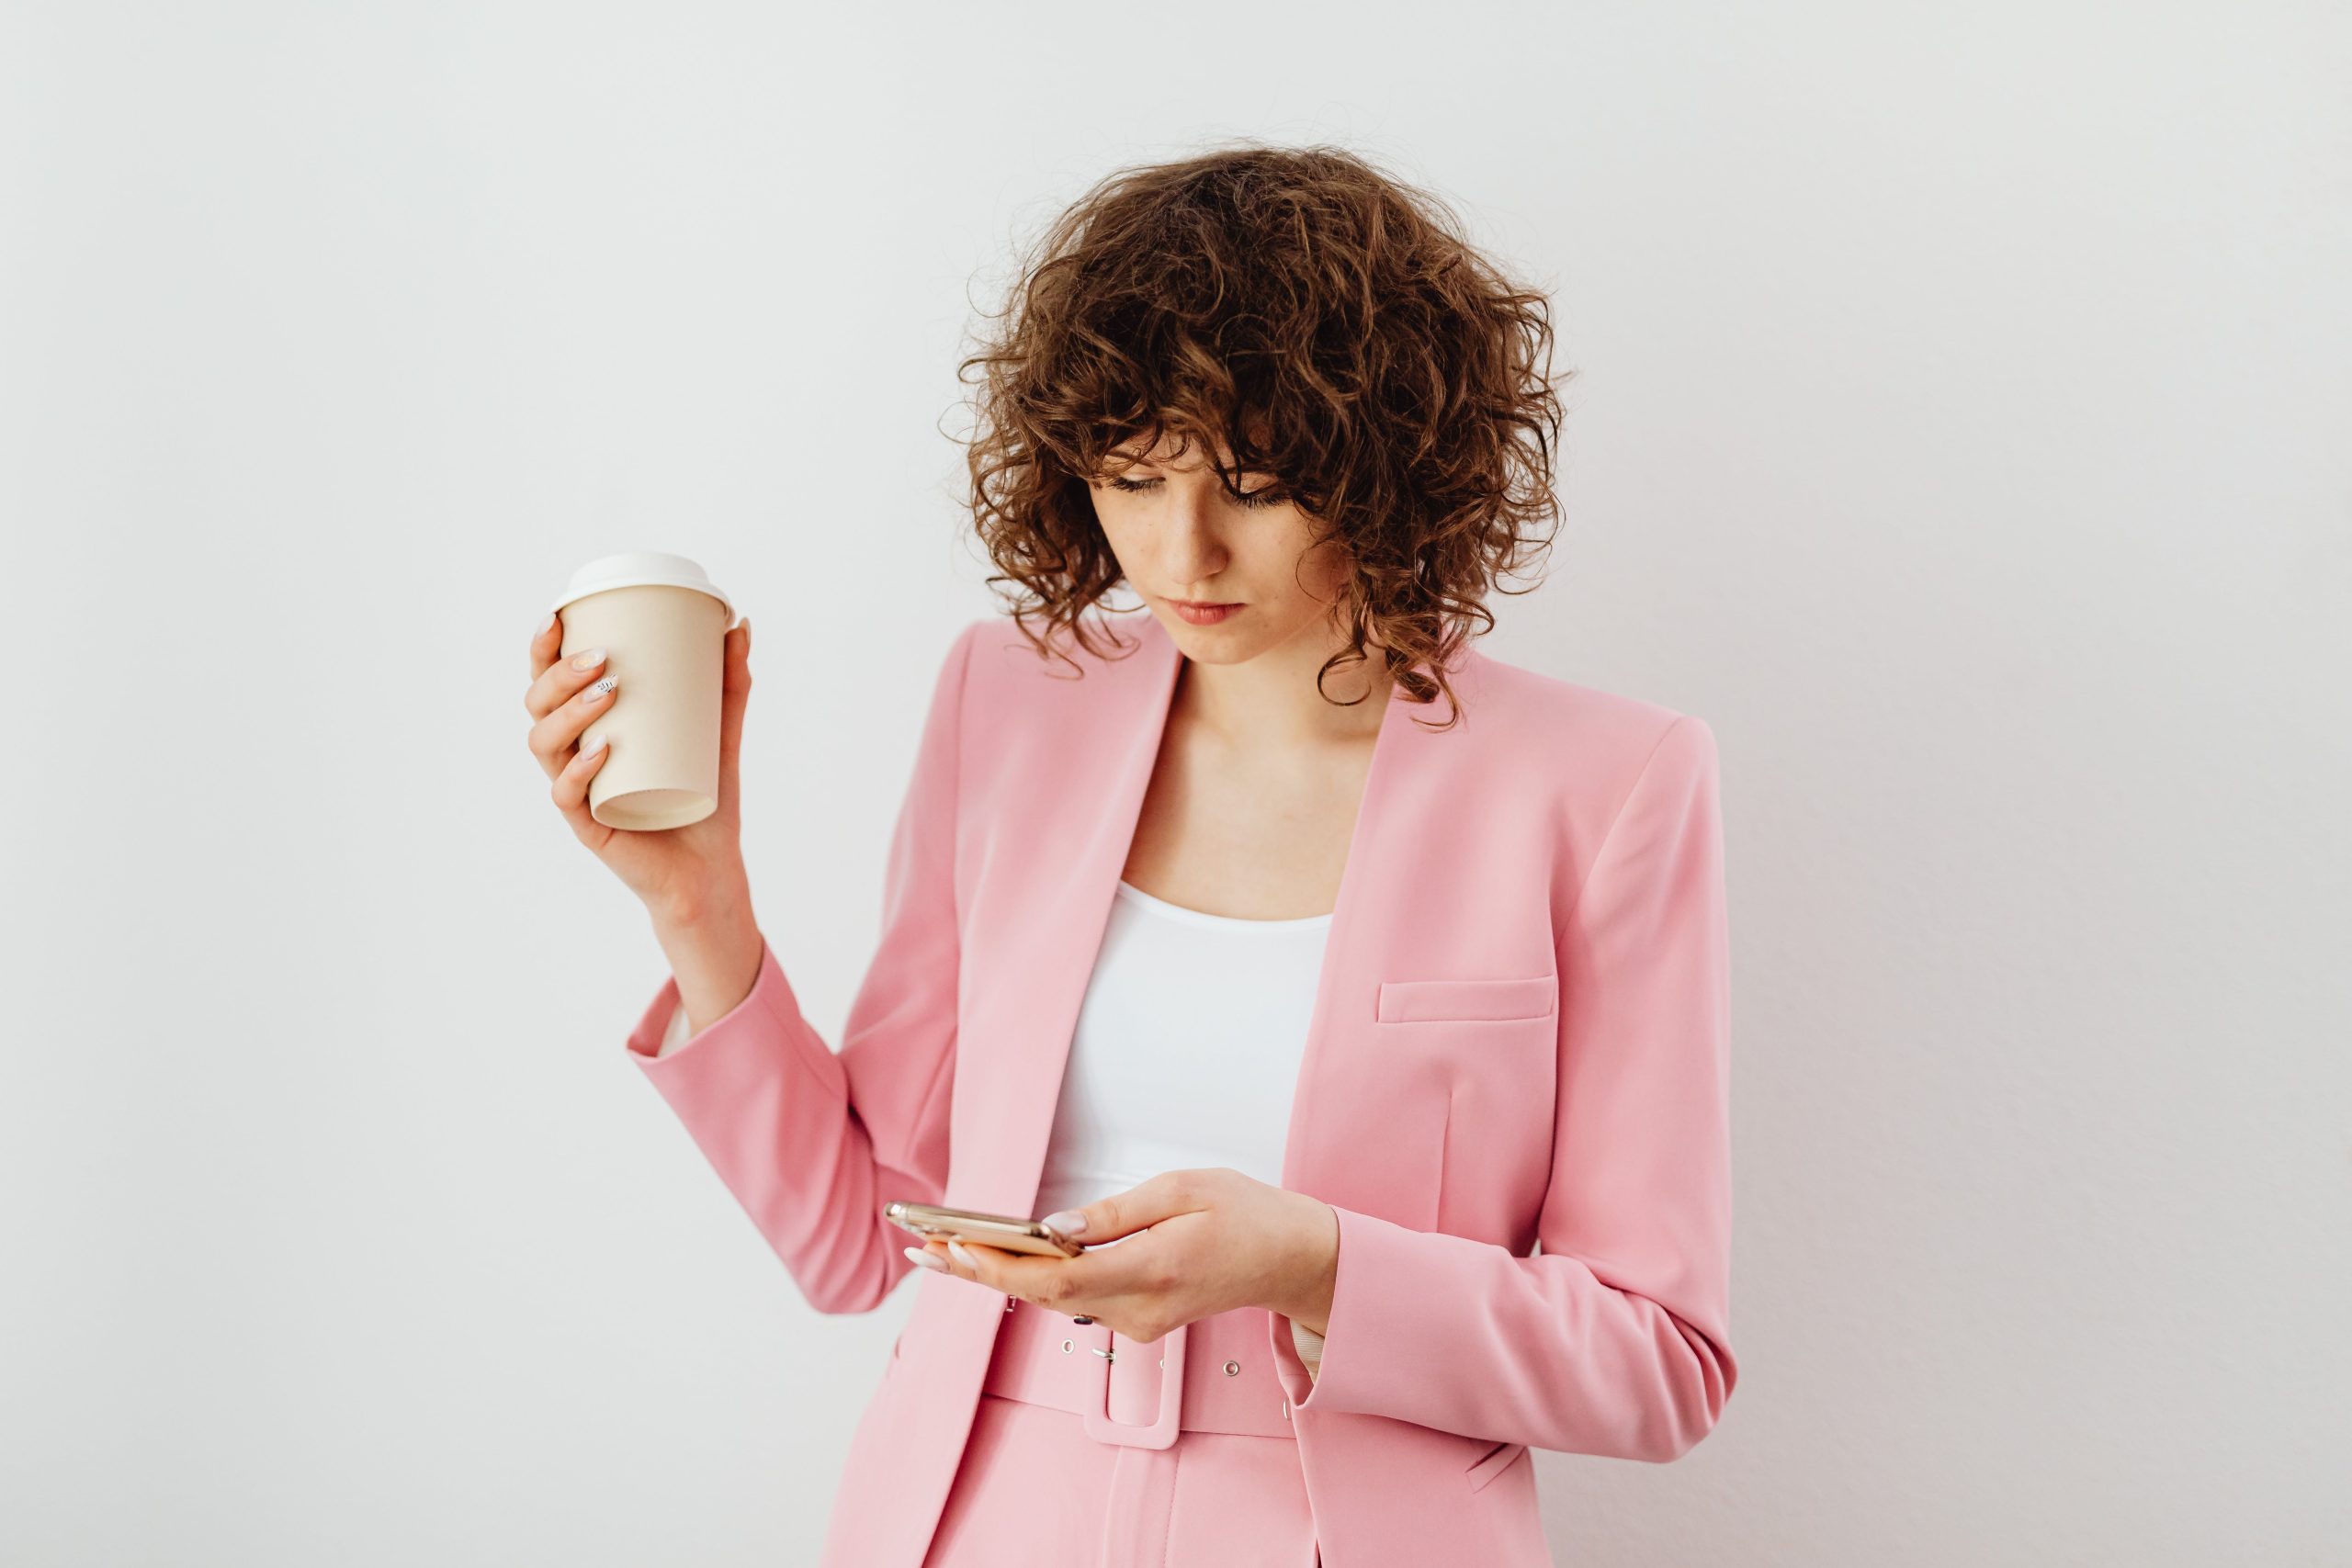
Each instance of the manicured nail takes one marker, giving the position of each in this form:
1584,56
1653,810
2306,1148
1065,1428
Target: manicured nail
928,1259
588,658
1069,1222
597,693
592,747
546,624
963,1257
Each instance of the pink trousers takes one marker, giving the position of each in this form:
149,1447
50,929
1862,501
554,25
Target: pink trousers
1046,1484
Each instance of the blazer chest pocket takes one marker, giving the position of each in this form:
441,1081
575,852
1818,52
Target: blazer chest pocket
1465,1001
1493,1462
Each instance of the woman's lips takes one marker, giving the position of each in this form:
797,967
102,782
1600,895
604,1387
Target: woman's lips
1203,615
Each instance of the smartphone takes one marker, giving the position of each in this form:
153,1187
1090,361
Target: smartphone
1008,1232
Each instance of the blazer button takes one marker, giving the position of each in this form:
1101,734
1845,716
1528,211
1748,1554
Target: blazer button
1233,1369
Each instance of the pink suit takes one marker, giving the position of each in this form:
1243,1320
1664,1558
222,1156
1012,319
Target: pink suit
1521,1036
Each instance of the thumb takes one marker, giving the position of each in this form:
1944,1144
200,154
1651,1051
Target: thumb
1122,1213
734,693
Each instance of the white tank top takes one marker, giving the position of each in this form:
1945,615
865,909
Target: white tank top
1186,1049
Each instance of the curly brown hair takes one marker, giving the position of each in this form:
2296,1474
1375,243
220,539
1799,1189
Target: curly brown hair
1326,322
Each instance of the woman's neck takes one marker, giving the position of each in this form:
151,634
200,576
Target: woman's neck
1272,700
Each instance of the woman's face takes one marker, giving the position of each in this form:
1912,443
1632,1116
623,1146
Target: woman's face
1179,535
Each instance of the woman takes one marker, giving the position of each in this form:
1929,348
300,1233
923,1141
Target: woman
1310,1020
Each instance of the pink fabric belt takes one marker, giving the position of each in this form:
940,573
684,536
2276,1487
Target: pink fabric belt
1215,1375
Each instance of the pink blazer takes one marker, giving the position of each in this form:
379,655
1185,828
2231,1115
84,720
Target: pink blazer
1521,1036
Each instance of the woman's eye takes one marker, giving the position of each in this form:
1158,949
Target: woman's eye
1268,495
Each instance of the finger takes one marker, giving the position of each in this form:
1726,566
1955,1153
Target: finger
570,791
561,680
956,1258
1170,1193
554,737
546,643
979,1263
1094,1275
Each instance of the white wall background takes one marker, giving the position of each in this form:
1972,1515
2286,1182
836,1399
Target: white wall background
1961,430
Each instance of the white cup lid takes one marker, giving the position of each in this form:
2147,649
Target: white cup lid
642,569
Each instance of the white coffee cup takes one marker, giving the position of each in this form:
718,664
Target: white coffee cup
662,626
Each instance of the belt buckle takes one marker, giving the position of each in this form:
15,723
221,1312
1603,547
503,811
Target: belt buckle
1162,1431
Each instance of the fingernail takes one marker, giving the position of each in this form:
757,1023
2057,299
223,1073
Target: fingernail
592,747
1069,1222
928,1259
601,690
963,1257
546,624
588,658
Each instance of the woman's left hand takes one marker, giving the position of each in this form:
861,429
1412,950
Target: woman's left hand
1188,1244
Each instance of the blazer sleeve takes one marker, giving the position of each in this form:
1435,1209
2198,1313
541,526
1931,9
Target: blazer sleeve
1614,1337
812,1143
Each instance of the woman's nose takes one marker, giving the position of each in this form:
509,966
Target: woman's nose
1193,549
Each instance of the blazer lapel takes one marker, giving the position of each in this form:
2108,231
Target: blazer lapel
1041,952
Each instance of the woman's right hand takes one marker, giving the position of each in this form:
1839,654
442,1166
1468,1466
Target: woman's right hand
679,873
